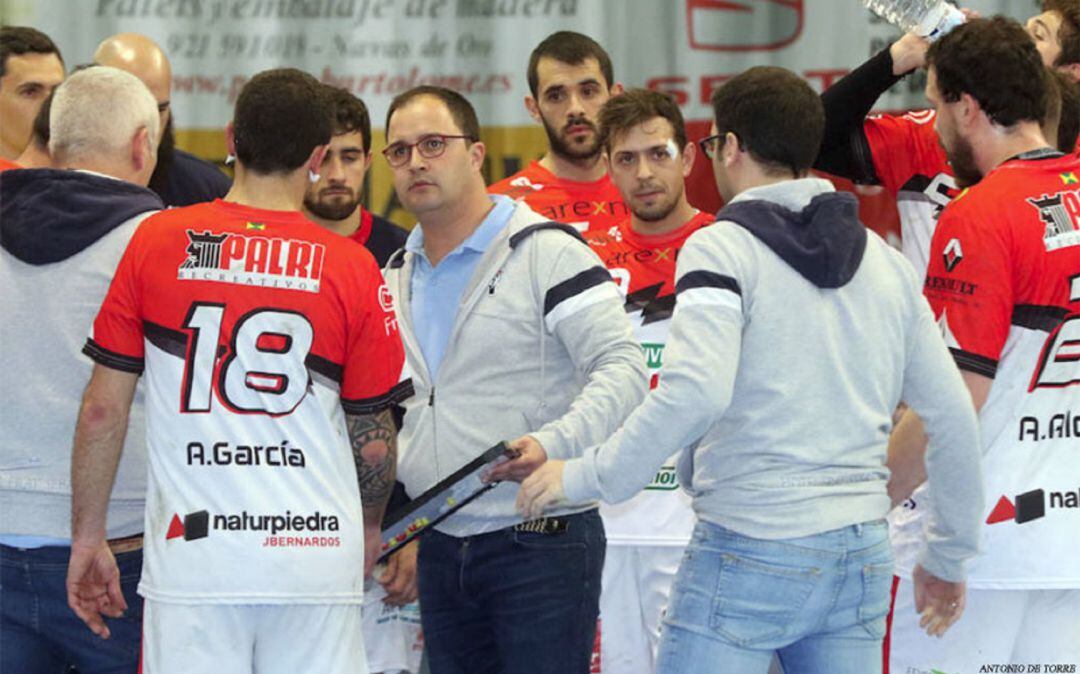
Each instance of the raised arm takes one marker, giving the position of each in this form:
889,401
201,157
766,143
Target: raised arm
844,149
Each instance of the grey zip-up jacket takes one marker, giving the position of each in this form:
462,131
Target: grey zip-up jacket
541,346
794,337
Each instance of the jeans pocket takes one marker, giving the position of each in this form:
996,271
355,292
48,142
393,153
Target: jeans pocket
757,602
876,594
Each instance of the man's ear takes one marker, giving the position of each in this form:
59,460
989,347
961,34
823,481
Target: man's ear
477,152
689,154
534,109
730,150
315,160
230,139
969,110
1072,70
142,150
617,89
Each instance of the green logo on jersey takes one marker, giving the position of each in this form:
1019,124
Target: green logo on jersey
665,480
654,355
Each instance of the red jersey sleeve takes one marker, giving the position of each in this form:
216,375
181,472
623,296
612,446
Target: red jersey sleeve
969,284
374,355
116,337
903,147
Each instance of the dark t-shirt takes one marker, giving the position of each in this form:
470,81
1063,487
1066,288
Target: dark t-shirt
193,181
380,236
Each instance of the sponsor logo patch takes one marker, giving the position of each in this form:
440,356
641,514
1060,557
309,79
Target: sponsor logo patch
297,527
953,254
259,261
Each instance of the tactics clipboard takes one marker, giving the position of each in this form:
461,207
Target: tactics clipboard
441,501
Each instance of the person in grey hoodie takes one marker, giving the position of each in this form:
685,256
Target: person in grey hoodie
63,232
513,330
796,333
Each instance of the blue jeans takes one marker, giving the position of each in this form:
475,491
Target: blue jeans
512,602
39,633
819,602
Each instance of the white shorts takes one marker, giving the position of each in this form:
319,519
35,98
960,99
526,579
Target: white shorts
635,588
242,638
1028,630
392,634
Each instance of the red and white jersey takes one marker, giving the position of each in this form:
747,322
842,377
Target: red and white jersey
1004,284
257,329
644,270
595,206
909,162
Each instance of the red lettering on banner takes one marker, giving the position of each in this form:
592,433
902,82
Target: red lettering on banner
668,85
827,77
678,86
709,84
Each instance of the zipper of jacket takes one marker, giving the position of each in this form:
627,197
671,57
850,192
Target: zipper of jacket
434,430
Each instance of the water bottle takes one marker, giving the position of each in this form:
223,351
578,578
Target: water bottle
929,18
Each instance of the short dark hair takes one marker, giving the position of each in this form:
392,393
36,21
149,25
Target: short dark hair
281,116
39,131
637,106
350,114
775,115
570,48
19,40
1068,34
460,108
995,62
1065,95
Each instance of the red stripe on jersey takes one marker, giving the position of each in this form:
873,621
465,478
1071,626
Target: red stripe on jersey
885,644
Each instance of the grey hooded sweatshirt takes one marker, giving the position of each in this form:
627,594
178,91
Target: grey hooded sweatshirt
795,335
63,233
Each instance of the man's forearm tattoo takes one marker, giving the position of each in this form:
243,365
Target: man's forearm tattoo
374,448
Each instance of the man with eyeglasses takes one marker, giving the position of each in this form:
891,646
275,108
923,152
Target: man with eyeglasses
513,330
796,334
570,78
180,178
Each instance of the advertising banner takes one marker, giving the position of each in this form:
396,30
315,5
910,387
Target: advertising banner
379,48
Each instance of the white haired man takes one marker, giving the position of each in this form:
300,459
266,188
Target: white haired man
63,233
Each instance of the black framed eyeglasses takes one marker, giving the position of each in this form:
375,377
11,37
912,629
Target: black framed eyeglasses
430,146
709,144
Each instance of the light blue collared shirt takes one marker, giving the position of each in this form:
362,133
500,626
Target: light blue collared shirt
437,291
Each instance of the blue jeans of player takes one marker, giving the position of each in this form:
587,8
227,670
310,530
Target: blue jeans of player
39,633
819,602
512,602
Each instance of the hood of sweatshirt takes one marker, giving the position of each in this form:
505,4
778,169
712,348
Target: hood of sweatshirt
49,215
824,241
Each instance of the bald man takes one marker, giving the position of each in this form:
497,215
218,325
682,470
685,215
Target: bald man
181,178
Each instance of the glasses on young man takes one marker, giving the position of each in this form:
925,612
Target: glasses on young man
709,144
430,146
